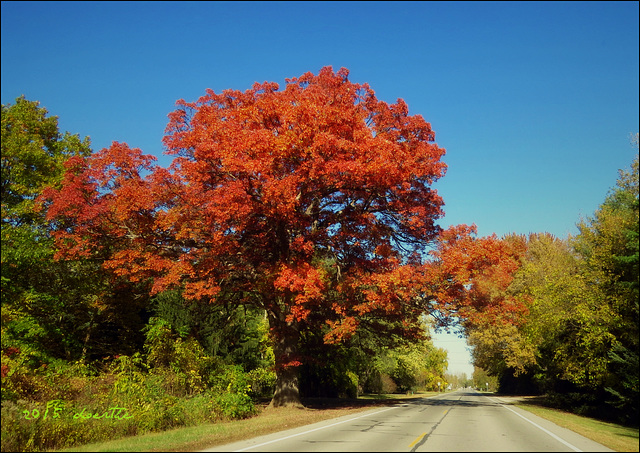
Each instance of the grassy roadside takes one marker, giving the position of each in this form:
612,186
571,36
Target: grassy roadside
616,437
270,420
211,434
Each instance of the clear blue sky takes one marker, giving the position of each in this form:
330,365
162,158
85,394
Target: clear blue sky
534,102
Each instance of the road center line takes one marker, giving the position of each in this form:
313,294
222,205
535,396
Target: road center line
417,440
422,439
538,426
315,429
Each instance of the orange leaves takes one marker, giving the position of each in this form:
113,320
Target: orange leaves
313,202
287,364
340,330
76,193
306,284
303,247
384,250
473,275
305,194
388,292
201,289
118,163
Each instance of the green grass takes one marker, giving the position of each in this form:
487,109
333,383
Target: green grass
271,420
209,435
616,437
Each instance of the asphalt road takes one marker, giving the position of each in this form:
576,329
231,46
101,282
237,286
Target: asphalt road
457,421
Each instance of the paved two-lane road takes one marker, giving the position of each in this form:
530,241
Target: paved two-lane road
458,421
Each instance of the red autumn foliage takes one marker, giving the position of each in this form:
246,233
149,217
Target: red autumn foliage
311,200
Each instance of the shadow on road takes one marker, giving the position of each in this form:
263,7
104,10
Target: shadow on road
460,399
453,399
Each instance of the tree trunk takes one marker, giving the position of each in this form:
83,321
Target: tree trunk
85,346
286,336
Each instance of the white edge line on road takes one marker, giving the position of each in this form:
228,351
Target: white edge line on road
574,448
315,429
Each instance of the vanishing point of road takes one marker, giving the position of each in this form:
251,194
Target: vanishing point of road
458,421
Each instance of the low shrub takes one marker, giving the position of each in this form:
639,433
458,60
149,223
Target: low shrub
174,384
263,382
76,405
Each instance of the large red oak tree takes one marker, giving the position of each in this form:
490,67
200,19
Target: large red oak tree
313,202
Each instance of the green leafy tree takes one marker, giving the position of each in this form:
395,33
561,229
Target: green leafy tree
234,333
411,365
580,335
50,309
482,380
564,337
33,317
608,243
568,321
